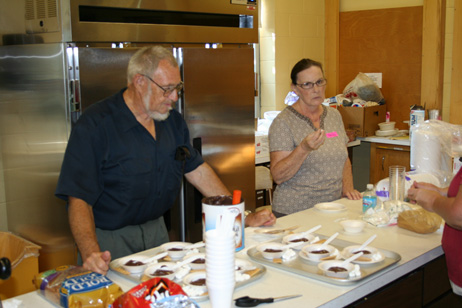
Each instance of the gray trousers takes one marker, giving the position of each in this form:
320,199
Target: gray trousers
132,239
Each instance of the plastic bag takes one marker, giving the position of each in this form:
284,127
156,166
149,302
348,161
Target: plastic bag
420,221
156,292
364,88
74,287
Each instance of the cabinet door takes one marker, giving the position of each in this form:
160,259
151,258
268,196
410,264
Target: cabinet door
385,155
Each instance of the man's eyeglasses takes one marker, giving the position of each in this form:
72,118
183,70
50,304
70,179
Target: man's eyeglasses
310,85
169,90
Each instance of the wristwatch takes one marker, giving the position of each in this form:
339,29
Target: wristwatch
247,212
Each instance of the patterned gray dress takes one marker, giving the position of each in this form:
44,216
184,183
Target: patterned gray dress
319,178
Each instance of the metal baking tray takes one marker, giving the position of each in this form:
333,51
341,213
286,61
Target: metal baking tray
308,268
116,267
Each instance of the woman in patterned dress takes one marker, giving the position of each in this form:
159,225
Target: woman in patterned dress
309,157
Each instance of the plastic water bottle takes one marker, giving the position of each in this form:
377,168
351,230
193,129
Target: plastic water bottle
369,198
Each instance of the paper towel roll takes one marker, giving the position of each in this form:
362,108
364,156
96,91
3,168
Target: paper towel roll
425,152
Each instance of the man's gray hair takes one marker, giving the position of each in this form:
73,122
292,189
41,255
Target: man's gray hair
146,60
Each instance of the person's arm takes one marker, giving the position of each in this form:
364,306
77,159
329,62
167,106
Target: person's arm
209,184
434,200
261,218
285,164
82,225
348,188
207,181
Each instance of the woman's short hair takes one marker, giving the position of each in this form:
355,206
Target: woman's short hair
302,65
146,60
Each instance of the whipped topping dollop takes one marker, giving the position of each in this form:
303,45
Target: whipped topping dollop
241,276
193,290
376,256
289,255
356,272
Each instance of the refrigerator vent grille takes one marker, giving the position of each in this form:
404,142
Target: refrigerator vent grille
30,10
41,16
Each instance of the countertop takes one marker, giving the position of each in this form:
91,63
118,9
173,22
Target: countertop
388,140
415,250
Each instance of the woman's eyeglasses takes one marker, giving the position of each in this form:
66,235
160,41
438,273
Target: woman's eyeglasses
310,85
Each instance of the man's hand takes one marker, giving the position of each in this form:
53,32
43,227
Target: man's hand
98,262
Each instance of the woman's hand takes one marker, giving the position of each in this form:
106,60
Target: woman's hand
261,218
352,194
424,185
314,140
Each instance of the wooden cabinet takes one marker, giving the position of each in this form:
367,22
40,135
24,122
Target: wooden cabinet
386,155
428,287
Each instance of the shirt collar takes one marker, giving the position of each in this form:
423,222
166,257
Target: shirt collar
123,115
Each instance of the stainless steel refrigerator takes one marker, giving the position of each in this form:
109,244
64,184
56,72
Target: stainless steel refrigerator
47,80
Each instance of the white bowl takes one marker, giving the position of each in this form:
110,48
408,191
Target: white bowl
272,250
298,237
353,225
199,262
176,250
154,270
242,265
310,251
134,264
387,125
326,268
165,266
386,133
196,280
369,252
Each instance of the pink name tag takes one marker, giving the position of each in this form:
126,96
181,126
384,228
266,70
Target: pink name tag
331,135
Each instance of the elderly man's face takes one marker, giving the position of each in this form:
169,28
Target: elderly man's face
157,105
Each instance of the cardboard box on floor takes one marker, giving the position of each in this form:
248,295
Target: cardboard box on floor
58,248
363,120
23,256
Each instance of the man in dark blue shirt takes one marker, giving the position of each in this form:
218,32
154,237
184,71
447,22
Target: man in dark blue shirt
120,173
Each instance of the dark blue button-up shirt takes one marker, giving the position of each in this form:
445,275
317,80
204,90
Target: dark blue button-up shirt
114,164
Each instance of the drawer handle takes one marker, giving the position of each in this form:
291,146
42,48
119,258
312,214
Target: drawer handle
383,160
393,148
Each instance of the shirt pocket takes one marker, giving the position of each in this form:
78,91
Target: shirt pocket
136,178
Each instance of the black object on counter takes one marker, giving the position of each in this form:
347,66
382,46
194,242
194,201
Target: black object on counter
5,268
247,301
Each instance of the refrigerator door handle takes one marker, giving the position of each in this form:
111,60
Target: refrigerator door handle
197,144
75,84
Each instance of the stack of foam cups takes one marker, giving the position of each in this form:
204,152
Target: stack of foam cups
220,246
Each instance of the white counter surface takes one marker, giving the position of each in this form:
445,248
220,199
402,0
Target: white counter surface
415,250
387,140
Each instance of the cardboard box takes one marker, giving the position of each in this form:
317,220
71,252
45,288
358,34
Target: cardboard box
363,120
58,248
23,256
